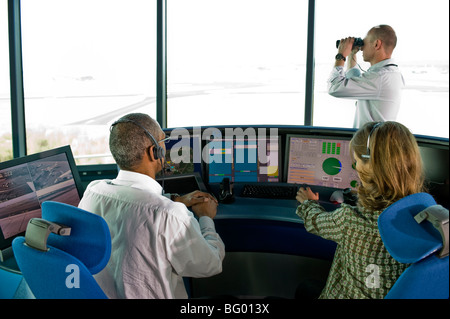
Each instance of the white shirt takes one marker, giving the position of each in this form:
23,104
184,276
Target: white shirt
155,241
378,91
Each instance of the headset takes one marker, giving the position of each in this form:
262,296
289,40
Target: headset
158,151
367,156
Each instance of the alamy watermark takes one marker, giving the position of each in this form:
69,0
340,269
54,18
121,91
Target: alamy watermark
250,145
373,279
73,279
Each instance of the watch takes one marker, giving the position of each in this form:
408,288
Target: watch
339,56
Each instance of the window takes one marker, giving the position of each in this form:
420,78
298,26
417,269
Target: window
422,54
230,62
86,63
233,62
5,103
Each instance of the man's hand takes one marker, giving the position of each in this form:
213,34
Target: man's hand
346,46
207,208
196,197
346,49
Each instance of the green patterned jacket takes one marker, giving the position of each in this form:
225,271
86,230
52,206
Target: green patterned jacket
362,267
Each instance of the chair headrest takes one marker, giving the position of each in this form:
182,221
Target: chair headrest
39,229
407,239
438,217
89,238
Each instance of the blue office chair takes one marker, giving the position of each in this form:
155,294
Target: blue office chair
62,251
414,230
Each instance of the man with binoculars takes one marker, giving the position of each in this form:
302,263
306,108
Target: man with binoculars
377,90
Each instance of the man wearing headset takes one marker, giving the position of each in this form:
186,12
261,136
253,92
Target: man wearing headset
155,241
377,90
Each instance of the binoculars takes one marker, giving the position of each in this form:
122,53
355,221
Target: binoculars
358,43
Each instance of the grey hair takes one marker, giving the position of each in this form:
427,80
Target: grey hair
128,142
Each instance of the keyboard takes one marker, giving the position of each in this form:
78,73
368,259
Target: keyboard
269,191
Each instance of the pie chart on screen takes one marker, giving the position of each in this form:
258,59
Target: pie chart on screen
332,166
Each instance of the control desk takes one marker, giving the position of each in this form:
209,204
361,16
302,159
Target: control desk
269,225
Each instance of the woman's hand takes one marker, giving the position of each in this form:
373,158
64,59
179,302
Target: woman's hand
305,194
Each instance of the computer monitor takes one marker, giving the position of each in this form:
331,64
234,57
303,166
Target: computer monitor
26,182
320,161
182,184
243,159
183,154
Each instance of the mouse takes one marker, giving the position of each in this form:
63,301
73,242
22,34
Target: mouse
337,197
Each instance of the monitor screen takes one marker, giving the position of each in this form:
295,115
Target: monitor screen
320,161
26,182
182,184
243,159
183,154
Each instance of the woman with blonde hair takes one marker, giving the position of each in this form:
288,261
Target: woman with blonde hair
389,165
